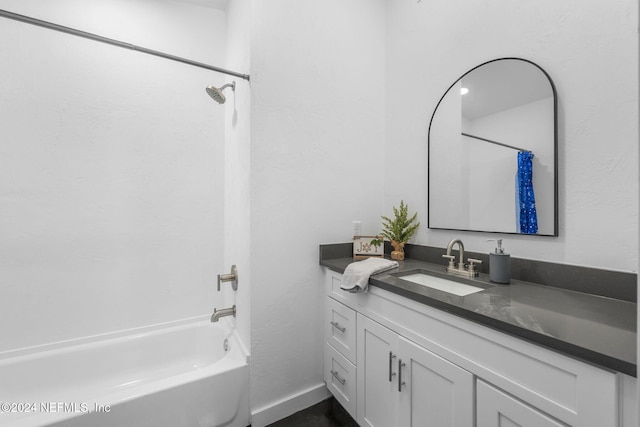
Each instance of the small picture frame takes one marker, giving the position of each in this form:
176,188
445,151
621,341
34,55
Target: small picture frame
364,248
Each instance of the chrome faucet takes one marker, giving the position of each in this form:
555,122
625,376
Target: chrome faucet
217,314
460,270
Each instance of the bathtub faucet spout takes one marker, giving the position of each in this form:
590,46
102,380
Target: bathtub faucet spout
217,314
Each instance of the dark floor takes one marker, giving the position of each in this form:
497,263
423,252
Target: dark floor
327,413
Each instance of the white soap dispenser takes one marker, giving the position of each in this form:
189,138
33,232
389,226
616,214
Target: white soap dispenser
499,265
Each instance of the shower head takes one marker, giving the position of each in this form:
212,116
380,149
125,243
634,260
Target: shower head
216,93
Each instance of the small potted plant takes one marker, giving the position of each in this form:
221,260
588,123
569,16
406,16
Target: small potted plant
399,229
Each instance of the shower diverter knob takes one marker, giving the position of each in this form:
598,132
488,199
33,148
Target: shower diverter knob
231,277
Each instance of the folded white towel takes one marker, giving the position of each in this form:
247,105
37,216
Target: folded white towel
356,275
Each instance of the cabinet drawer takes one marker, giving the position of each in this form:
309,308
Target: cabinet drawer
340,328
496,408
340,376
333,281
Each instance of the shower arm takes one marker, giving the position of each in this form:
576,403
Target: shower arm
118,43
231,85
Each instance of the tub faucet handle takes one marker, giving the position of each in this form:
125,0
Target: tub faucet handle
231,277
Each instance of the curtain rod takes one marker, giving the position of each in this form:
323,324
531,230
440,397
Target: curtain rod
95,37
496,142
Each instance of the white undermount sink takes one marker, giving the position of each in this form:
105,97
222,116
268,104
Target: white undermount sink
449,286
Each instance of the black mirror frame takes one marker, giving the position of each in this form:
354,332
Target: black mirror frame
555,153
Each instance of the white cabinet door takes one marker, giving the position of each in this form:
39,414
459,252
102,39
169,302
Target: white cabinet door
498,409
376,374
435,392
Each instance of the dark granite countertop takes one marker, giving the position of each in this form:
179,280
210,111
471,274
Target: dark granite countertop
596,329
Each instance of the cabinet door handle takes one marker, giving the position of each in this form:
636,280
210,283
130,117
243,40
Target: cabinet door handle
391,357
337,377
338,327
400,383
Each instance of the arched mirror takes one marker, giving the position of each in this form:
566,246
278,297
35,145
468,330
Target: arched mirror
493,152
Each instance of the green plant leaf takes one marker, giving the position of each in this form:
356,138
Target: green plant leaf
401,228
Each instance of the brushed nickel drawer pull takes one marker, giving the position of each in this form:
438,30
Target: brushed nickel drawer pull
391,357
338,327
400,366
337,377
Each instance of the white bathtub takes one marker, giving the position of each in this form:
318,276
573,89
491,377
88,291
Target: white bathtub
172,375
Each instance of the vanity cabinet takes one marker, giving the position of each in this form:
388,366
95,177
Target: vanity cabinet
403,384
415,365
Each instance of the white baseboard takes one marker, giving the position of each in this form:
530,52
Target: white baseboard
278,410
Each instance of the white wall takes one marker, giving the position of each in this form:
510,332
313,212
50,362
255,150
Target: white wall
590,50
111,175
317,138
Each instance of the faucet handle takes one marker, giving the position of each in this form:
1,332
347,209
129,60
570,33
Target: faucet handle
452,258
472,263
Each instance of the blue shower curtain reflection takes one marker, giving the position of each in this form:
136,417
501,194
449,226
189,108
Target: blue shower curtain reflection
527,216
